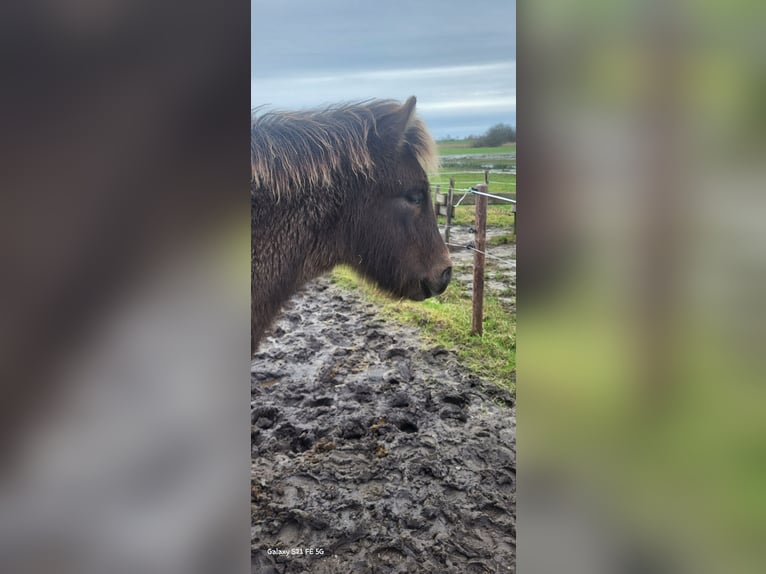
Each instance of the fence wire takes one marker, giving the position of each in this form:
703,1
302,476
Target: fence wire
470,247
475,192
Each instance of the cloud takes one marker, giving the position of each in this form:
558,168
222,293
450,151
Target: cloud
307,54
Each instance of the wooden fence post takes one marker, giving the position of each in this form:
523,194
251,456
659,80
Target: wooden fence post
450,191
514,221
480,244
437,200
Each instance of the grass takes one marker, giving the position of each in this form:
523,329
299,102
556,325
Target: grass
446,320
507,239
454,150
467,144
453,143
476,162
498,215
498,182
459,155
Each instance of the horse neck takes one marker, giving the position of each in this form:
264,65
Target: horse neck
293,242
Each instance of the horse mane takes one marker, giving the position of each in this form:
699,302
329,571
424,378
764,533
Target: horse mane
311,148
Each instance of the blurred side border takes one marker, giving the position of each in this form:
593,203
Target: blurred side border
124,305
641,438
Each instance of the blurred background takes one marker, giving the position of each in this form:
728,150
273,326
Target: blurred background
641,274
124,315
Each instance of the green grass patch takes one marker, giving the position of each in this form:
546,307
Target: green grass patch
497,216
506,239
476,163
446,320
498,182
451,148
453,143
460,142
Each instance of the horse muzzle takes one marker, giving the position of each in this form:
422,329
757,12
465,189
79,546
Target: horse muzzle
432,288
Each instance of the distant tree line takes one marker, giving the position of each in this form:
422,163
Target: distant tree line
497,135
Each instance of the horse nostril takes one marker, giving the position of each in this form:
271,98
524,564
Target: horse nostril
446,276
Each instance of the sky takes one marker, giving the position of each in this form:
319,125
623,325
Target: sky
458,58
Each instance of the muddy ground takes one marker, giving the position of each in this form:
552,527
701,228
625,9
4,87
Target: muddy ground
375,450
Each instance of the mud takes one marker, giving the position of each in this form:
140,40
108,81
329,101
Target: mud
374,450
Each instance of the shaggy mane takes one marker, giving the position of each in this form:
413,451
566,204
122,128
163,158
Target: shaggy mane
294,150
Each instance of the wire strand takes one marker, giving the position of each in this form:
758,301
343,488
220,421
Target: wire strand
510,262
461,199
477,192
466,189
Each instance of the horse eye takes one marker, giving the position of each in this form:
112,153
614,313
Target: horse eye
415,198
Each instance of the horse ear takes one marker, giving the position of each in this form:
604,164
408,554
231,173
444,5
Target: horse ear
396,123
408,109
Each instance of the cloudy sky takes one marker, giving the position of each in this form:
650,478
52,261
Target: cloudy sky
458,58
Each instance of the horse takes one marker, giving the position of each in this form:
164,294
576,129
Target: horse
344,184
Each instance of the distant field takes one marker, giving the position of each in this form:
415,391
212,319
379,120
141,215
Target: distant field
468,173
504,182
497,215
454,143
455,149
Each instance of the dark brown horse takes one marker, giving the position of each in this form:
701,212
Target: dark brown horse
345,184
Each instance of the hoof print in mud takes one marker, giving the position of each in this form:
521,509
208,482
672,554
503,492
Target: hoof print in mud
457,399
266,375
394,352
363,393
453,413
302,442
264,417
406,424
405,372
322,402
353,429
374,334
400,400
